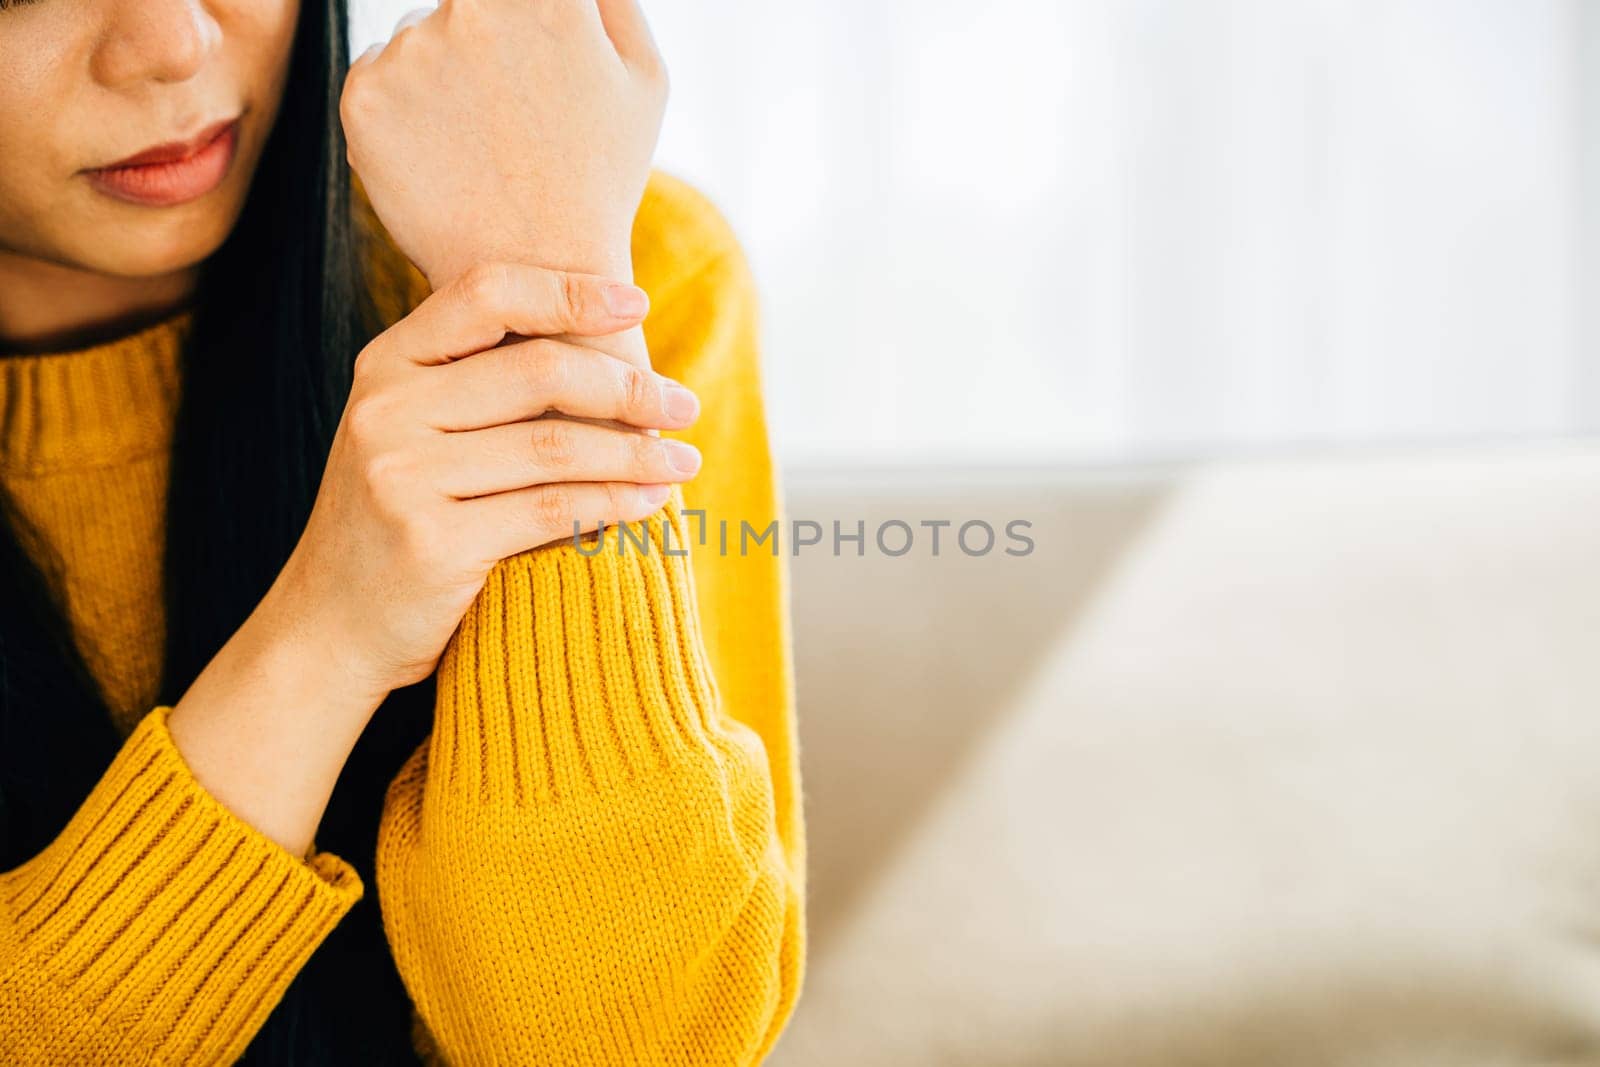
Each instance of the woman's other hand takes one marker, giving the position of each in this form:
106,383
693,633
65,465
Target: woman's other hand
442,464
513,130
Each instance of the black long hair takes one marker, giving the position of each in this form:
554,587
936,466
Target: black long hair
283,307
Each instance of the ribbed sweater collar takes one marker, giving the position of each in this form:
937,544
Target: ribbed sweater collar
90,407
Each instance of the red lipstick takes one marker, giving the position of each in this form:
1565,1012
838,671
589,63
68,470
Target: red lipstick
170,174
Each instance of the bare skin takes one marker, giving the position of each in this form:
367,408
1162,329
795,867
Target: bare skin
444,462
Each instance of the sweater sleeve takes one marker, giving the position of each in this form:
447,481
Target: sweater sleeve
595,858
158,927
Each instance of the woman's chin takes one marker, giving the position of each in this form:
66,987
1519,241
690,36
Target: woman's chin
153,242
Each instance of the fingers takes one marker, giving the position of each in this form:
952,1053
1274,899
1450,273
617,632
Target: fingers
524,454
629,32
491,301
528,518
527,379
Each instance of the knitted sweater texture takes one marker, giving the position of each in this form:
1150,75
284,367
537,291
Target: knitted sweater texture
596,857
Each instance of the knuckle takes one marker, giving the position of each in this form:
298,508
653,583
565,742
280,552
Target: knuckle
422,540
639,392
357,98
618,500
553,508
387,474
547,371
369,416
552,445
365,365
572,298
486,285
645,453
406,35
657,76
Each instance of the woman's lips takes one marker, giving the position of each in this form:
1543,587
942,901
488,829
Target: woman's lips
172,174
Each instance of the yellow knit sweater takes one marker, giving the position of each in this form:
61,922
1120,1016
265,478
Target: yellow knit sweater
597,857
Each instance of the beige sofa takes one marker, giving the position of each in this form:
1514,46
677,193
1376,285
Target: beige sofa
1288,763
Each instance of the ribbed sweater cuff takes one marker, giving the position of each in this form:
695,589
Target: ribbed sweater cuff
580,666
160,907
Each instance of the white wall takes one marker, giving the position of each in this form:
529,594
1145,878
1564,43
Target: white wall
1069,229
1587,356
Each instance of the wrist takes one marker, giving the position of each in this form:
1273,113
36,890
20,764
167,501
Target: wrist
313,675
311,655
611,258
268,724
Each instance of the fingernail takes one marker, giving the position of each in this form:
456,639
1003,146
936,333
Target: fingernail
679,403
681,457
654,496
626,301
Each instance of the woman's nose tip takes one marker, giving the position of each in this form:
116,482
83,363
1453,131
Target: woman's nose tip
156,40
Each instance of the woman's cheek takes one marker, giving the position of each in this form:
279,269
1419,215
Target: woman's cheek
259,48
38,157
260,40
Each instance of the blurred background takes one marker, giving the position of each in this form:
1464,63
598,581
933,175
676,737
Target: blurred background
1183,225
1279,320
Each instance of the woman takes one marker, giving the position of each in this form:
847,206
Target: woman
293,601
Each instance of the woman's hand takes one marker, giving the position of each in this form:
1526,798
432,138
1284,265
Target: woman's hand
442,465
515,130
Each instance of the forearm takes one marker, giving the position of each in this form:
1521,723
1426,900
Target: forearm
268,724
582,864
